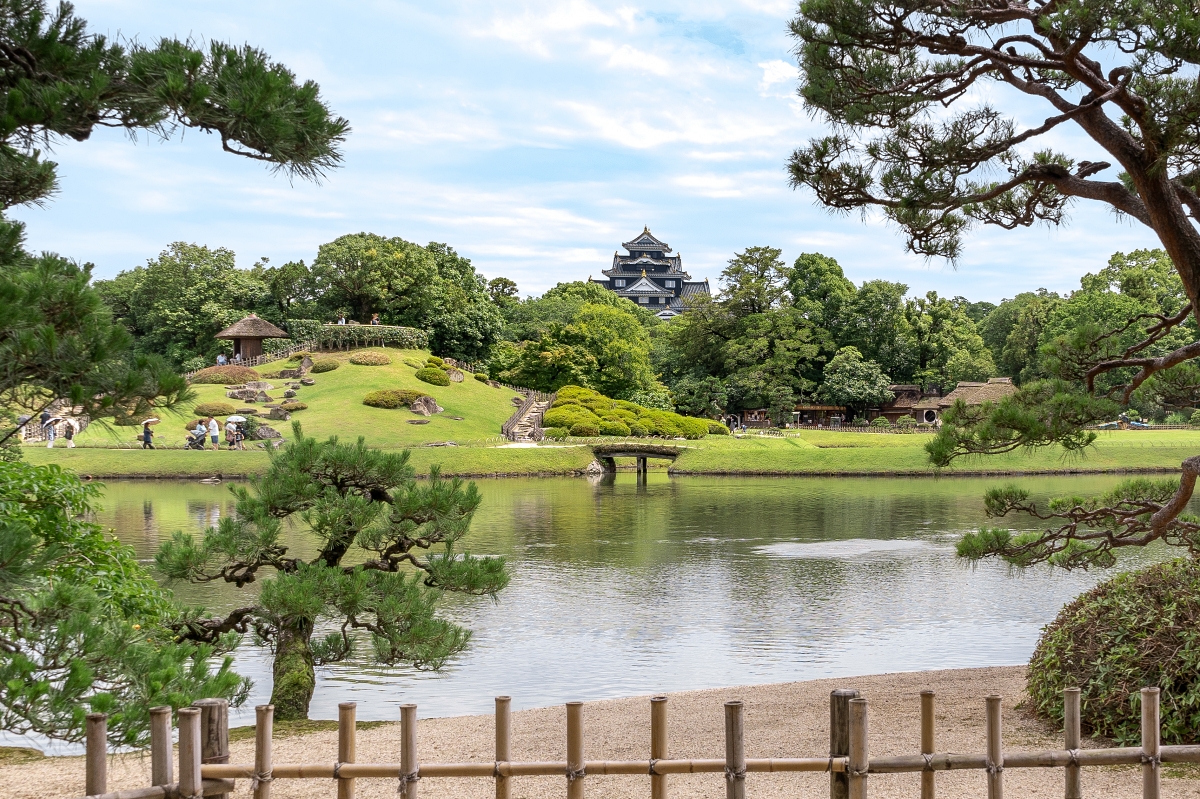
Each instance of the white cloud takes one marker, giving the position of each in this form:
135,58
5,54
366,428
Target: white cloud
777,71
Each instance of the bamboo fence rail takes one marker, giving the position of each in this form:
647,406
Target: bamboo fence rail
204,770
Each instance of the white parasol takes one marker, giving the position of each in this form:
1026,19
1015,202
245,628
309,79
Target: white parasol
236,418
151,420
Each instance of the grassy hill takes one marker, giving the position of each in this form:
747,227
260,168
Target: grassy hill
335,407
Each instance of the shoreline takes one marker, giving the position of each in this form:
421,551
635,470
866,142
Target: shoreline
782,720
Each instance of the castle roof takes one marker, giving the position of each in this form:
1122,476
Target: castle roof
252,327
647,287
646,241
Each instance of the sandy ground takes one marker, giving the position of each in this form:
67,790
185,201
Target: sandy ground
785,720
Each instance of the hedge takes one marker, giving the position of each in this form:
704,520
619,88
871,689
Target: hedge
482,377
433,375
585,430
292,407
224,375
213,409
1135,630
392,398
404,338
370,358
324,365
414,363
574,406
717,428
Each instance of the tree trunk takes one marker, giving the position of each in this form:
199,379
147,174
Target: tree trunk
293,670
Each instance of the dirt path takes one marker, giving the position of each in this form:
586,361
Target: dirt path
783,720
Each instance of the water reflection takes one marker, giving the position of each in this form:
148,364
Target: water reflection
623,586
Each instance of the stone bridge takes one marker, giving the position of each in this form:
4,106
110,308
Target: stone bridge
607,453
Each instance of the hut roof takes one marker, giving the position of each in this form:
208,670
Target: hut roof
252,327
978,393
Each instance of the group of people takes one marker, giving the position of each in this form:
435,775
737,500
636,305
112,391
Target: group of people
222,360
374,319
51,430
205,430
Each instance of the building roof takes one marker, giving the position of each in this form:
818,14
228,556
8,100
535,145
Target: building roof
647,287
820,408
646,241
252,327
994,389
691,289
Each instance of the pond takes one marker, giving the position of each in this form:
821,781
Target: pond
621,589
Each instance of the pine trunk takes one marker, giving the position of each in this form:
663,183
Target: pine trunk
294,673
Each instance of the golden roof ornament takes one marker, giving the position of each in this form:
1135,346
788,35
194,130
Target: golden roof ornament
643,273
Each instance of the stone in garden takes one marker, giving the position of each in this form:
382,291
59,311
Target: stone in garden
518,401
426,406
261,385
441,444
279,415
248,411
305,364
289,373
289,393
245,394
418,421
262,397
272,405
264,432
455,376
307,381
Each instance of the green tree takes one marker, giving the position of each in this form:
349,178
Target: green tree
879,328
821,291
85,627
900,85
63,81
1013,331
943,334
503,292
461,318
854,382
703,397
291,286
372,523
364,274
755,281
535,317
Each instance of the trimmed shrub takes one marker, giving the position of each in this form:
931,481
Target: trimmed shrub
300,355
414,363
270,375
225,375
614,429
585,430
292,407
906,423
1135,630
213,409
392,398
637,430
568,416
482,377
370,358
433,375
195,364
717,428
692,427
1175,417
881,422
324,365
557,433
433,360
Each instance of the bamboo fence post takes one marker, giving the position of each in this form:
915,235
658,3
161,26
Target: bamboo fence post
995,750
1151,778
839,738
409,767
189,752
575,771
346,731
96,766
264,728
214,732
859,757
735,750
160,746
658,745
928,789
1071,738
503,744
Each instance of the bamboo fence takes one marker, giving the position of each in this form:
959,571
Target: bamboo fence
204,768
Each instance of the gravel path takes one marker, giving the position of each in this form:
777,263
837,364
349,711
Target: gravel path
784,720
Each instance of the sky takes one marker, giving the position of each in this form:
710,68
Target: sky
533,137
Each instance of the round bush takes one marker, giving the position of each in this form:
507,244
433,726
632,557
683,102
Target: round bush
557,433
433,360
292,407
213,409
414,363
482,377
1195,418
614,429
906,422
585,430
369,358
392,398
324,365
225,375
717,428
296,357
433,376
881,422
637,430
1133,631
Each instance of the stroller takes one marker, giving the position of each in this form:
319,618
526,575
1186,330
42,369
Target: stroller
195,441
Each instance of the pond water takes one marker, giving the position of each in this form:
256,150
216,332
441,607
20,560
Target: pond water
621,589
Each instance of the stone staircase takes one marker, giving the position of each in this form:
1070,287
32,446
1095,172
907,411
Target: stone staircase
529,425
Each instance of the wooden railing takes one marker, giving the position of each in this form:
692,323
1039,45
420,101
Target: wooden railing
204,753
508,429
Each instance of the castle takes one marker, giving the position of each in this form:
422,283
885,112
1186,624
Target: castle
649,275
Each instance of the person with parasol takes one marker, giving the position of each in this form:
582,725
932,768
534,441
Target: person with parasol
147,433
238,433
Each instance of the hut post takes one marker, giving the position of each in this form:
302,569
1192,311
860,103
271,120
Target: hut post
859,757
1071,734
346,732
160,746
658,745
1151,776
264,728
410,769
96,767
575,771
735,749
995,750
189,752
839,738
503,744
214,732
928,786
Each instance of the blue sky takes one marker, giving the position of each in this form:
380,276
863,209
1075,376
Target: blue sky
533,137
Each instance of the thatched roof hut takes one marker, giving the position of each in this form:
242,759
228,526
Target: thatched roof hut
248,334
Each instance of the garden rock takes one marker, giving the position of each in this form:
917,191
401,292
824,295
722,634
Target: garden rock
455,376
289,393
264,433
262,397
245,394
595,467
261,385
289,373
307,381
441,444
426,406
418,421
248,411
305,364
279,415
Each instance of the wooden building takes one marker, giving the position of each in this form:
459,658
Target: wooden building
929,407
650,276
247,336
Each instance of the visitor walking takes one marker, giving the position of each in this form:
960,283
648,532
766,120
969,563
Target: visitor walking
214,432
48,429
69,433
230,429
239,437
147,436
